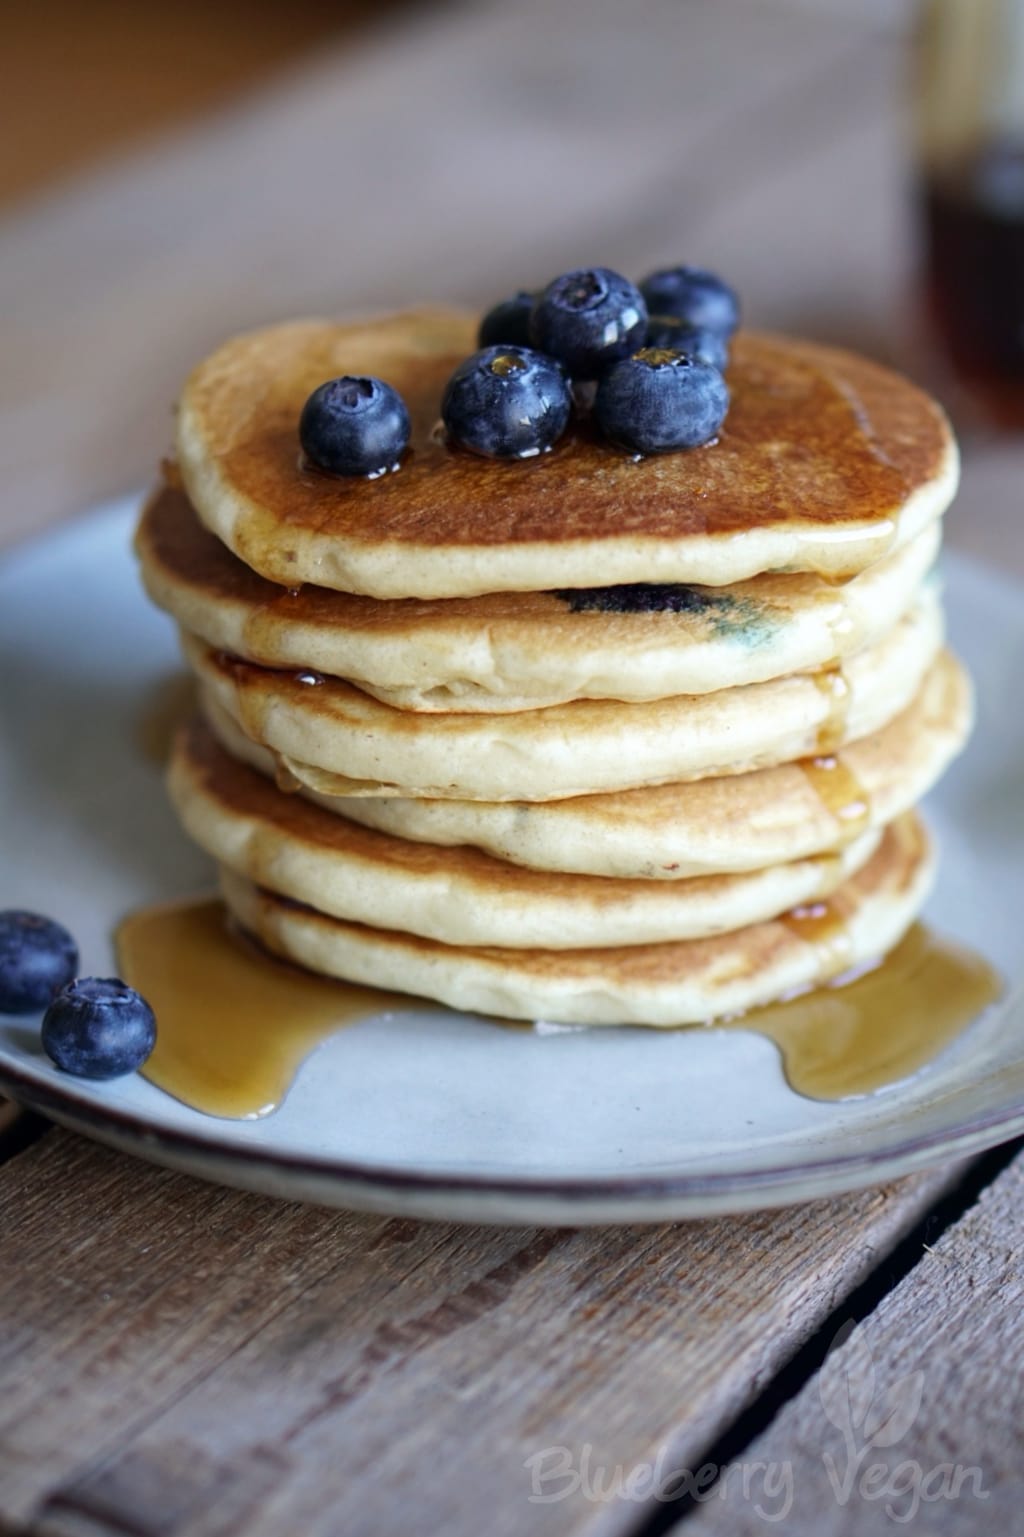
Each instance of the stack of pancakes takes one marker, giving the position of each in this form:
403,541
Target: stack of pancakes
582,738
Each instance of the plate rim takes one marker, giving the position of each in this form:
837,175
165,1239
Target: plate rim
670,1190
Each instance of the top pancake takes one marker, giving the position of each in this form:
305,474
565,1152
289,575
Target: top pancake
825,462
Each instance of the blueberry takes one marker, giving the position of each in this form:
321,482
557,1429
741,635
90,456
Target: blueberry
680,336
508,323
37,957
659,400
588,319
693,295
98,1028
641,598
507,402
354,426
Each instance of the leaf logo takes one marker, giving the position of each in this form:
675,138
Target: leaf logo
888,1420
865,1418
846,1382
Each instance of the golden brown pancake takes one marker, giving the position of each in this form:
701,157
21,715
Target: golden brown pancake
333,737
518,651
672,832
690,981
461,896
825,463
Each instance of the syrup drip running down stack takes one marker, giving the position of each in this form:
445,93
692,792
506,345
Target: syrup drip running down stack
584,739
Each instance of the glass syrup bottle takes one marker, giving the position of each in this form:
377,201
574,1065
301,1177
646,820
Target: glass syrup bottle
969,107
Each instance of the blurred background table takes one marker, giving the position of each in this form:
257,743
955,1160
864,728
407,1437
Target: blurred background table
180,1360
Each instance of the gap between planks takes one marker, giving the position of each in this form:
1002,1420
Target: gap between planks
916,1414
18,1128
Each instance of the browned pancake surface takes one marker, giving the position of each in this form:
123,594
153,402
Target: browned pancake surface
814,436
721,959
201,765
173,539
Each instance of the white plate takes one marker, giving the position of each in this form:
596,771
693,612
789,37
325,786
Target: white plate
451,1116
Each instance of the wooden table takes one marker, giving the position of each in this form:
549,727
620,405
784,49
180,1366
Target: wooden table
184,1361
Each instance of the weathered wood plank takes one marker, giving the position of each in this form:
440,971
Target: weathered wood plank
179,1359
506,143
917,1415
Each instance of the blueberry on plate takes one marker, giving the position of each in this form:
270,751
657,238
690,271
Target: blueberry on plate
508,323
98,1027
507,403
659,400
37,958
680,336
354,426
588,319
693,295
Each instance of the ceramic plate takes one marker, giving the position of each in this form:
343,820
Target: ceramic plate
447,1115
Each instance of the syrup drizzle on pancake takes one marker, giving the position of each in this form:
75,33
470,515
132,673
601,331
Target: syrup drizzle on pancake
823,925
833,686
235,1024
841,792
268,619
285,779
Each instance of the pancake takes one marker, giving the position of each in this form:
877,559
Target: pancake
688,981
333,738
676,831
519,651
461,896
826,463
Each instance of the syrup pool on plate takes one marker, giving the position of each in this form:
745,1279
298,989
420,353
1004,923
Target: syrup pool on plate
236,1024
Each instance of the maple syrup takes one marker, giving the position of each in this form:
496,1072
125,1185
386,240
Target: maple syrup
841,792
823,925
285,779
265,622
859,1034
832,685
235,1024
